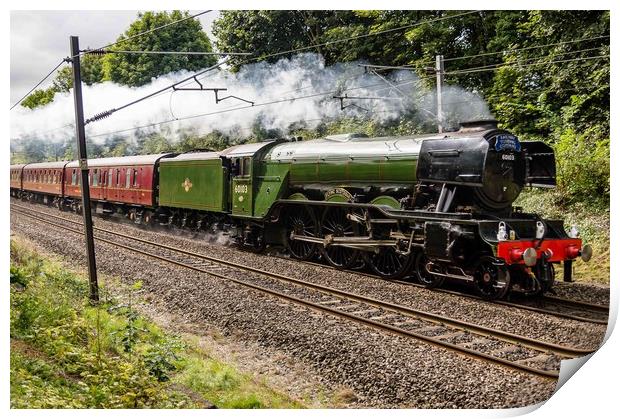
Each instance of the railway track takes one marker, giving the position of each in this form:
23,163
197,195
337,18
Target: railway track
509,350
551,305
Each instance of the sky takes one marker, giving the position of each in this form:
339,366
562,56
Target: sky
40,39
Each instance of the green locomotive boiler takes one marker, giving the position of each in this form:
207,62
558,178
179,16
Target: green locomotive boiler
437,207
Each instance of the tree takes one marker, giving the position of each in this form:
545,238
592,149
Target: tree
264,32
39,97
140,69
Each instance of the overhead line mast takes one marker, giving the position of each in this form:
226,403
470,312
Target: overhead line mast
83,161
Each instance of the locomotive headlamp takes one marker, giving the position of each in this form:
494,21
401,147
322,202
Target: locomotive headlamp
530,256
586,253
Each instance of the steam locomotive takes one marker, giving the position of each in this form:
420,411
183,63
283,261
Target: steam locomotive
434,207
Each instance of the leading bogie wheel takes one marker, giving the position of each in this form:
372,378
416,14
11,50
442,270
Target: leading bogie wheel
491,279
336,224
423,275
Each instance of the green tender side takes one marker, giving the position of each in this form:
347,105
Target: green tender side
193,184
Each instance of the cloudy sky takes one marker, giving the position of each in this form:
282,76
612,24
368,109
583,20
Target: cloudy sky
40,39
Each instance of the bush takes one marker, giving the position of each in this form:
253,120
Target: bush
583,169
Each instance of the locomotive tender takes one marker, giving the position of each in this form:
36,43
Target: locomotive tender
436,207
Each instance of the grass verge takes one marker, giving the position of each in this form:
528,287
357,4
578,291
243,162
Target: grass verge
67,353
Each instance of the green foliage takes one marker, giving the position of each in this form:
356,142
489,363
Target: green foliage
38,98
67,353
58,359
139,69
265,32
583,169
565,103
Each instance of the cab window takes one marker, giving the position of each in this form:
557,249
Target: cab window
245,167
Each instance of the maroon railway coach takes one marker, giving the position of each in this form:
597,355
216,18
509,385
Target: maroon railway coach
43,181
116,183
16,179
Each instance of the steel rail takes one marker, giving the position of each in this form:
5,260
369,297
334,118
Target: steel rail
535,344
598,309
484,332
579,305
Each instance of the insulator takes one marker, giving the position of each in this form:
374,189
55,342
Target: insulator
96,51
99,116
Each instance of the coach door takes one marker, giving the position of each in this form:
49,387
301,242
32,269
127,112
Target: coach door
105,189
241,171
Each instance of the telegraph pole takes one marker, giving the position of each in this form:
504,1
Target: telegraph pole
80,136
439,71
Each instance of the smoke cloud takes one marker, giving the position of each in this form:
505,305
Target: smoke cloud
291,91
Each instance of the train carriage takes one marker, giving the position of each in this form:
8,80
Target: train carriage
434,207
117,183
16,186
44,181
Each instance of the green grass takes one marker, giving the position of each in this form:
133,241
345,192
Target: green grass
67,353
592,222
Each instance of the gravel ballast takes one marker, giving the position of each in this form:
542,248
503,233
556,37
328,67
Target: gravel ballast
381,369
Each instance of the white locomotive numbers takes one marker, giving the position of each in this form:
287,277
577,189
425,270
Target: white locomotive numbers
510,157
241,188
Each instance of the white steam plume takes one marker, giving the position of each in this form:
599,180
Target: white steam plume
301,75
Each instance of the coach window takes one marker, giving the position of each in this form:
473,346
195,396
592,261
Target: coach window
110,177
104,177
135,178
118,177
95,177
128,179
74,177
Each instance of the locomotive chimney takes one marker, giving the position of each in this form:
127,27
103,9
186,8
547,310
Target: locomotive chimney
479,125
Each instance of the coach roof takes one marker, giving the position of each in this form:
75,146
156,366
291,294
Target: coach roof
149,159
46,165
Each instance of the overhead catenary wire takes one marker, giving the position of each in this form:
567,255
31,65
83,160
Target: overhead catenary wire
309,47
105,114
500,66
400,28
400,82
484,54
106,51
38,84
109,112
530,59
233,108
